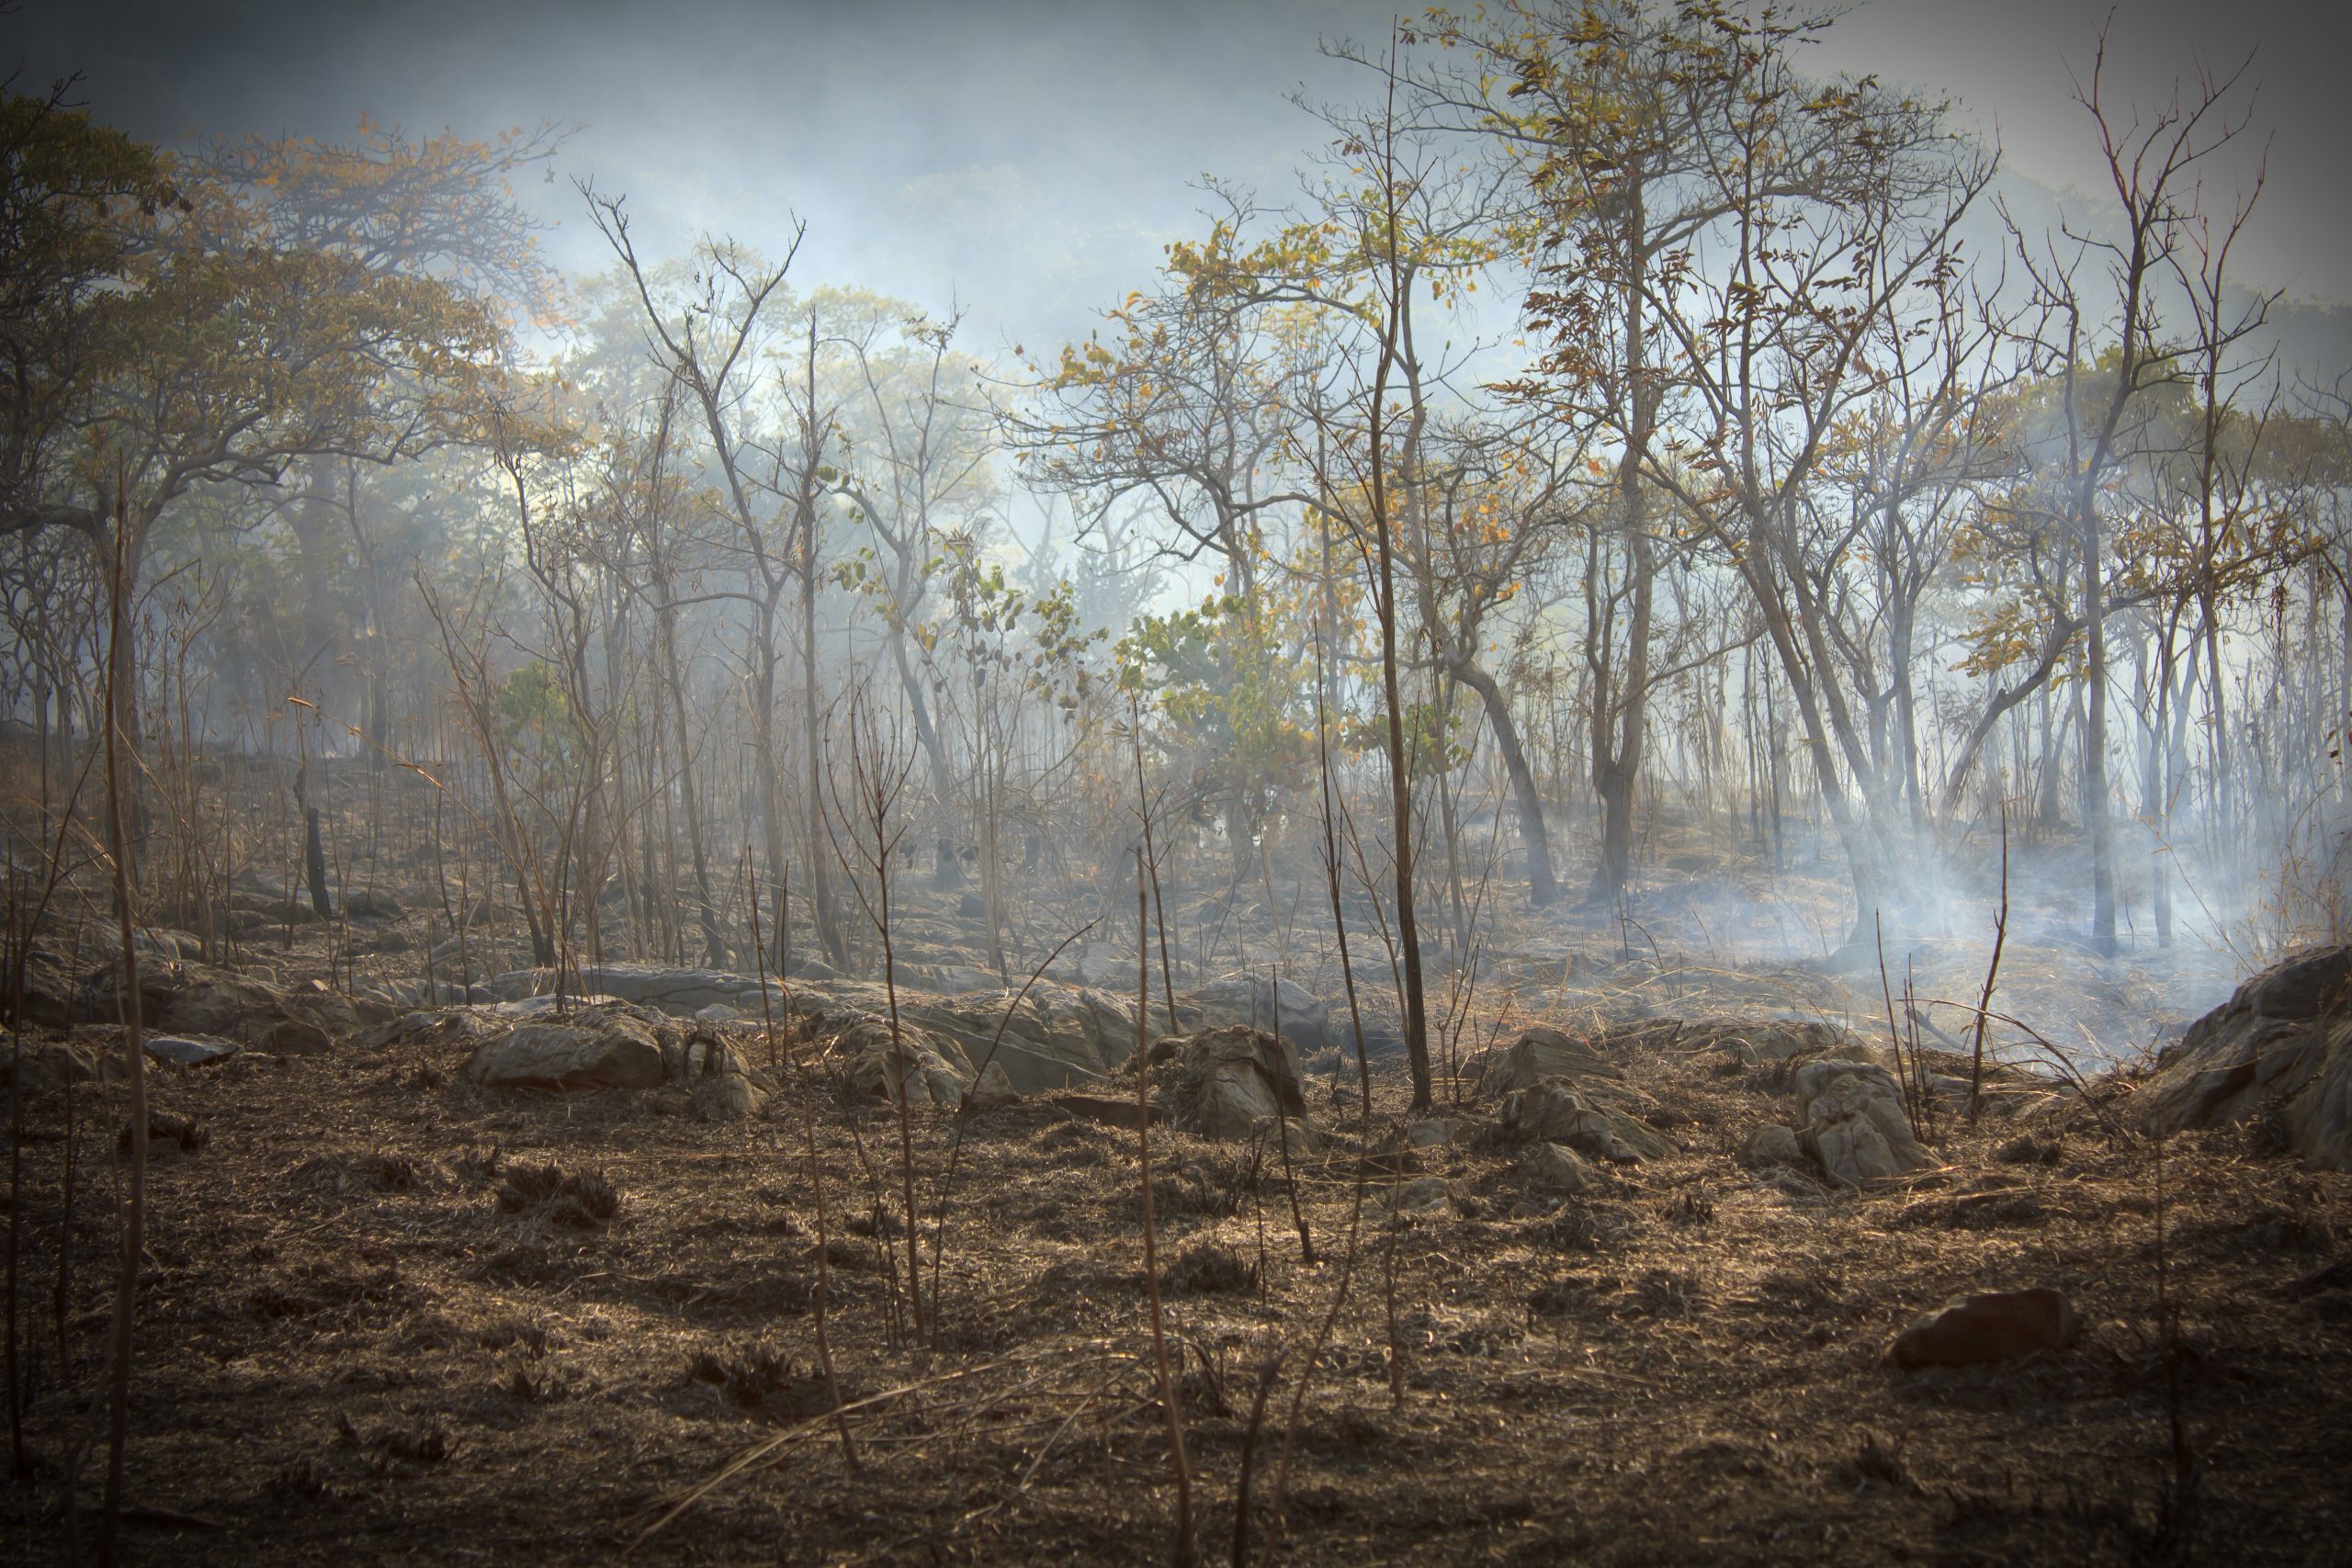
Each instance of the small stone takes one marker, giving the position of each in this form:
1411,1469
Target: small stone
717,1013
1992,1326
1771,1146
1558,1169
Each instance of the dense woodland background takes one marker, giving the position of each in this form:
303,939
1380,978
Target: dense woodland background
1618,427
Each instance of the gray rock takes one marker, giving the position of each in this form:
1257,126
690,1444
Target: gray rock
190,1050
1424,1194
2282,1044
1537,1055
1236,1083
728,1096
1558,1169
609,1052
1553,1113
1771,1146
993,1089
1854,1124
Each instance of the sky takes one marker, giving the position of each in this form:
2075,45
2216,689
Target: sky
1030,158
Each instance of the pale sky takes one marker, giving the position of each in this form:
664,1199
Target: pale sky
1031,157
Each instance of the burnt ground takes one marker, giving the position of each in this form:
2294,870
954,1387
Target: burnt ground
374,1326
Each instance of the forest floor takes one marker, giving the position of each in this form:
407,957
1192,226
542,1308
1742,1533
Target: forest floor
373,1329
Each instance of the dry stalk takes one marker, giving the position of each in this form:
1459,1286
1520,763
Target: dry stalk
1992,972
134,1213
1184,1553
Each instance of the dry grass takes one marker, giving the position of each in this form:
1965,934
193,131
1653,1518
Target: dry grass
392,1320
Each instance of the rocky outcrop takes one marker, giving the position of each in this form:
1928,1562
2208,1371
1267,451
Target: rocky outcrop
2281,1045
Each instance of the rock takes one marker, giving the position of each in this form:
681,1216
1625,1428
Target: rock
1259,1001
2281,1044
1538,1054
1854,1124
189,1050
612,1052
717,1013
1058,1037
1423,1194
422,1027
728,1096
56,1065
53,992
1558,1169
1771,1146
1992,1326
1437,1132
949,978
372,904
993,1089
1552,1112
294,1037
921,1067
1232,1083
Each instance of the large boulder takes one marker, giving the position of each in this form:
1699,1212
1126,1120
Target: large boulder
1234,1083
2281,1044
608,1051
1854,1123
